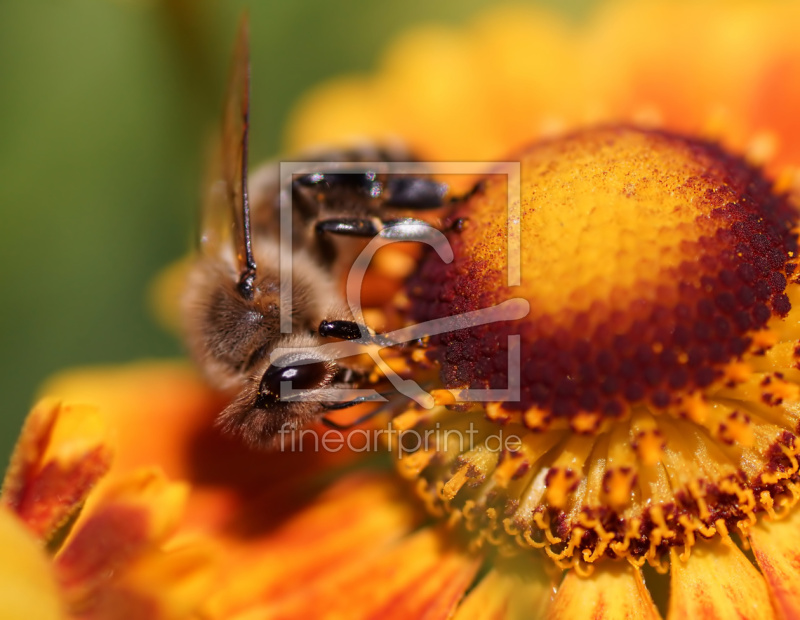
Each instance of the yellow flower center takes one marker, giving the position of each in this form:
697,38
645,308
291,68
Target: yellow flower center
658,388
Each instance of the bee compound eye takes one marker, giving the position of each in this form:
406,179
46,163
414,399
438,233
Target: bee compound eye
301,375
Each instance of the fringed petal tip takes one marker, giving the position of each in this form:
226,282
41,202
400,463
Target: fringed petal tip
113,537
62,453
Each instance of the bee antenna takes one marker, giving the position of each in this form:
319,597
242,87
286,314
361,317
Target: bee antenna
248,275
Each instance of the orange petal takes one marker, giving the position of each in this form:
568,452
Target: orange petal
513,590
124,521
615,590
420,577
528,73
158,586
776,545
351,522
717,581
27,587
163,414
156,409
62,452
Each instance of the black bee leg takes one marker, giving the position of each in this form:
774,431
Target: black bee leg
403,229
352,403
458,224
342,330
414,193
401,192
350,330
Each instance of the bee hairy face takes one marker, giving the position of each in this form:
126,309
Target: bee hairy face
227,331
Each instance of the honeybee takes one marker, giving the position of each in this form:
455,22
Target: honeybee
232,306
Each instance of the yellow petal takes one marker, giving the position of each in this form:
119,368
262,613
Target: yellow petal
27,588
615,590
717,581
166,292
63,450
347,102
516,589
776,545
528,73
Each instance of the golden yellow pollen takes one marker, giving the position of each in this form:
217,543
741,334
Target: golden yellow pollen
619,486
495,412
394,262
559,485
585,422
536,418
764,340
737,372
696,407
443,397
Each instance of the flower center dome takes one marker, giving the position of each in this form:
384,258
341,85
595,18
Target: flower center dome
648,260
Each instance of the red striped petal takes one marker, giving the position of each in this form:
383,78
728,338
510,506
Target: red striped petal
61,454
717,581
776,545
614,590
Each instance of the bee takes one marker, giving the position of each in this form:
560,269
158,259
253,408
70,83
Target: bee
232,305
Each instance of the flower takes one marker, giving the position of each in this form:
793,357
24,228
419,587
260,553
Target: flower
625,451
658,411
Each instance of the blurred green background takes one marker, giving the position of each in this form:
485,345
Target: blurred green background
106,108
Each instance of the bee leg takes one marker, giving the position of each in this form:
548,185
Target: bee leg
350,330
415,193
400,192
342,330
402,229
360,400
